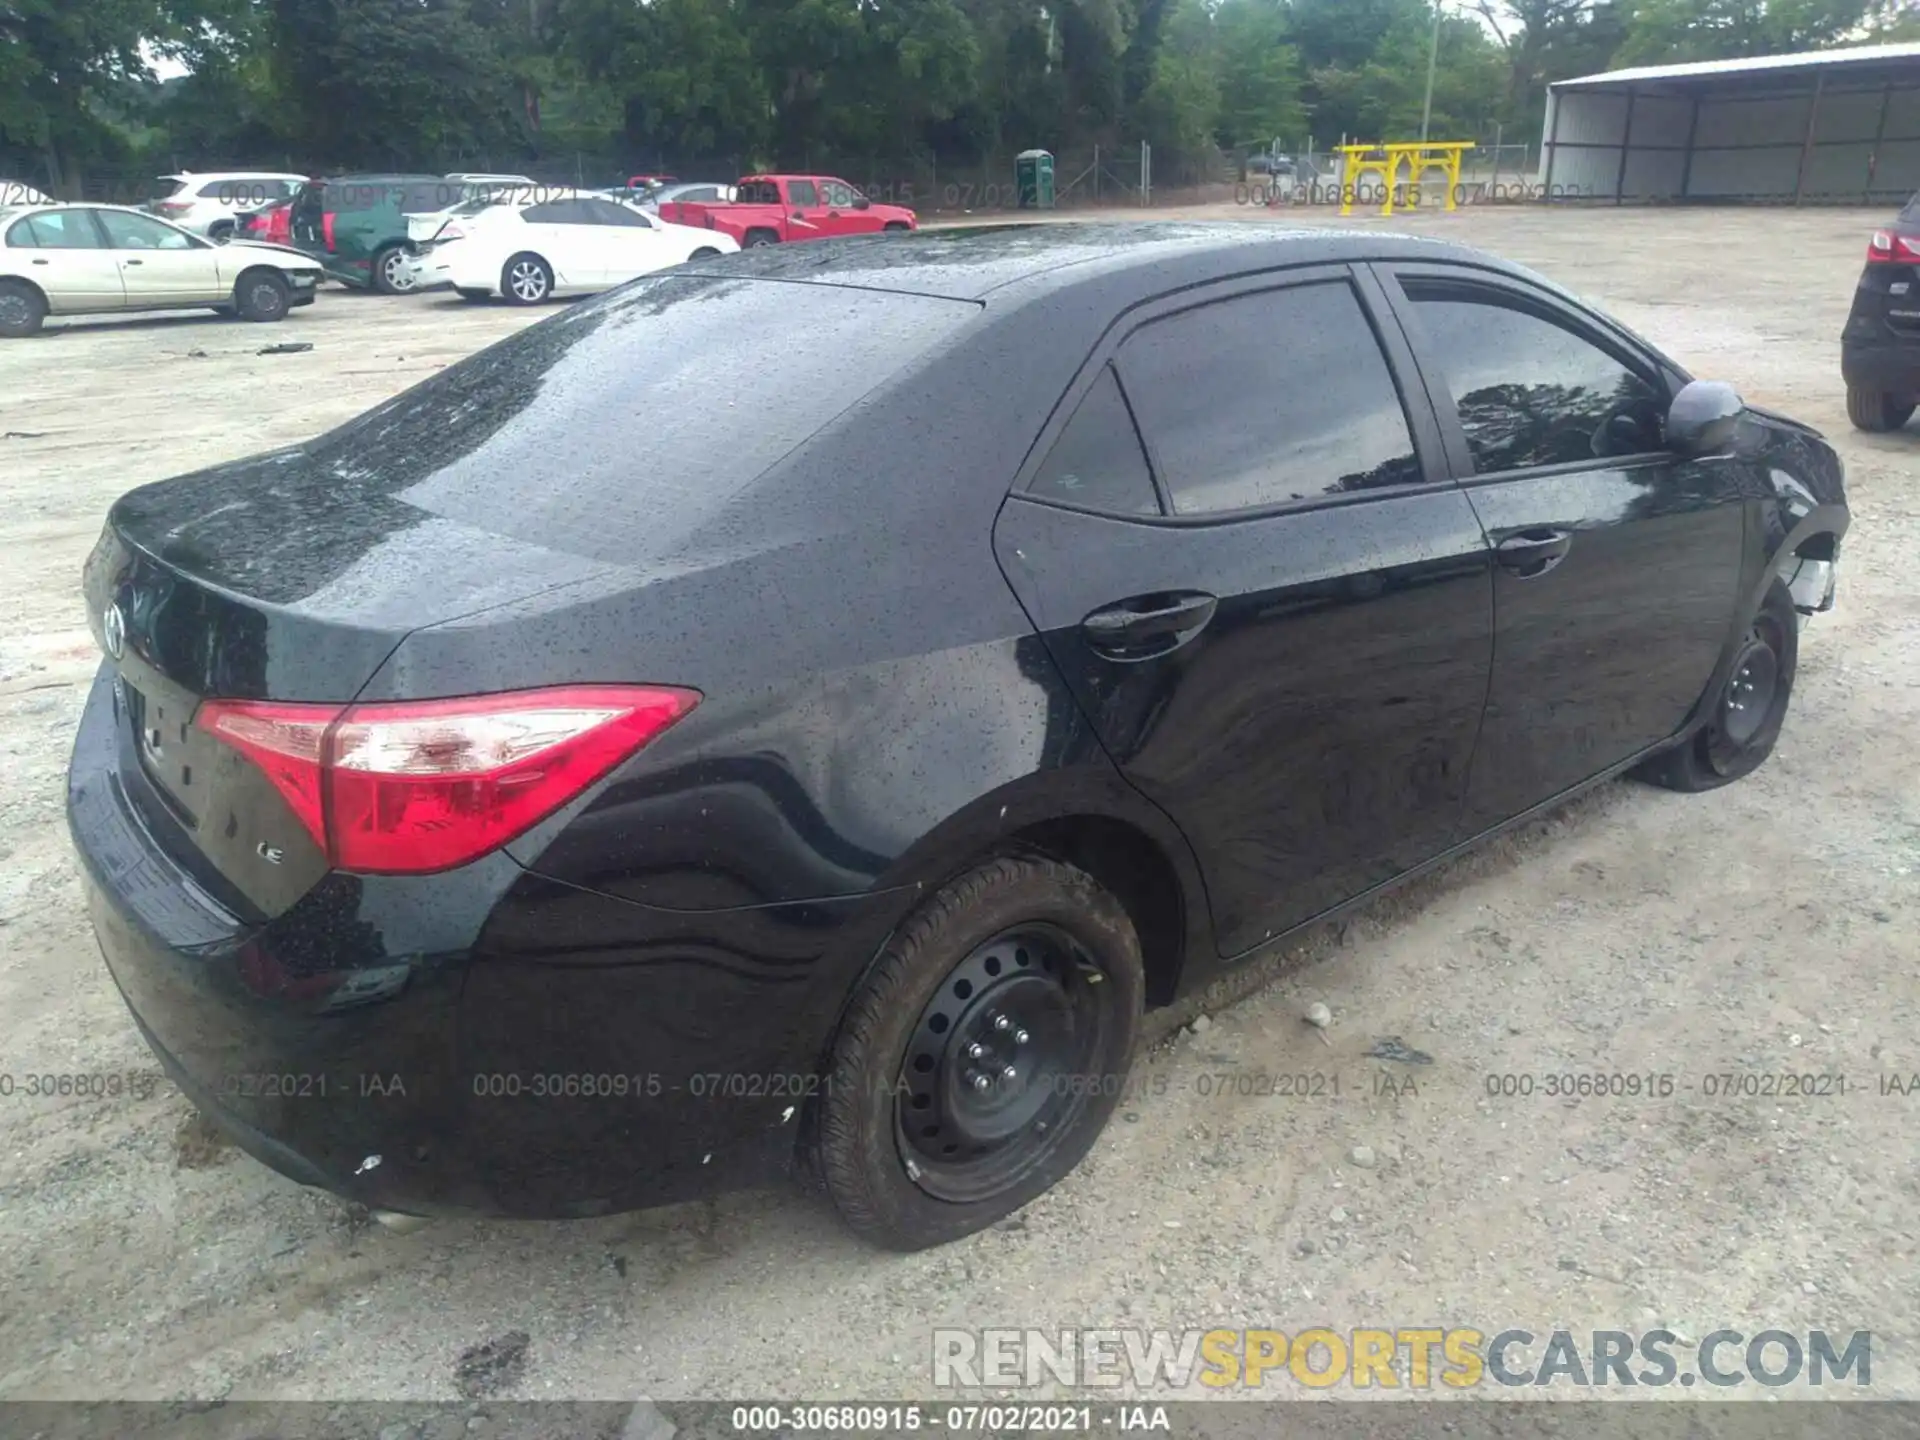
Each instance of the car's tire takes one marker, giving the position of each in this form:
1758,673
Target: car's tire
475,295
756,238
1746,714
526,279
705,252
893,227
1877,410
1024,964
383,273
22,309
261,296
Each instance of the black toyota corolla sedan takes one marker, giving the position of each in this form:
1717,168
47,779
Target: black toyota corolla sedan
1002,633
1880,347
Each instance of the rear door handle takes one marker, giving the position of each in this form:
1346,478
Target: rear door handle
133,262
1147,626
1534,552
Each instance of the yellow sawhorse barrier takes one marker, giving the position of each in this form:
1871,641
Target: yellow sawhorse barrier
1385,161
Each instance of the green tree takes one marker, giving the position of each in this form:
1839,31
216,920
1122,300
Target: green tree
681,73
1259,73
62,60
391,82
1180,108
1680,30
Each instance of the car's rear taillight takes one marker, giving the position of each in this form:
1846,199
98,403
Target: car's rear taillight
172,207
326,229
411,787
279,225
1888,247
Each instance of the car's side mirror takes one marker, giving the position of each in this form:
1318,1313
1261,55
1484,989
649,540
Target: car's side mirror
860,202
1704,418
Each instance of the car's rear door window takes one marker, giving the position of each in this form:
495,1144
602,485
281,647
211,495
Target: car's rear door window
1269,398
606,212
63,230
1097,462
1529,390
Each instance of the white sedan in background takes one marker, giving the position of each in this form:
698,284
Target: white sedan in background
530,250
94,259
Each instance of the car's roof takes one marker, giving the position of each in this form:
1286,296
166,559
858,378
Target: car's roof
231,175
973,262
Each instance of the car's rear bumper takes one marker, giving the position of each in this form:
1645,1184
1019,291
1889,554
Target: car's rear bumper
1883,363
480,1042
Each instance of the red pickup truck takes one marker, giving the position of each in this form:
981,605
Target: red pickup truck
772,209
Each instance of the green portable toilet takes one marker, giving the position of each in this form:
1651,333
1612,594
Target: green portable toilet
1033,172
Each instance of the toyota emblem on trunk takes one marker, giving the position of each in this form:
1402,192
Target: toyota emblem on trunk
113,628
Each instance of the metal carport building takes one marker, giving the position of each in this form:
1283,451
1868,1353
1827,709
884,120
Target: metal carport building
1826,126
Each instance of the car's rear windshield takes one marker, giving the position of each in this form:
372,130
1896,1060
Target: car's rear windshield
166,187
531,437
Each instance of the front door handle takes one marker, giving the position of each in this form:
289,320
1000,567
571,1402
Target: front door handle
133,262
1147,626
1534,552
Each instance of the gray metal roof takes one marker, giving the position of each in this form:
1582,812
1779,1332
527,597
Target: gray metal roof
1902,58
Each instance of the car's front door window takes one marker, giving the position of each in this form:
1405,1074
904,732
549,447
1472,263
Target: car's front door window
1529,390
801,194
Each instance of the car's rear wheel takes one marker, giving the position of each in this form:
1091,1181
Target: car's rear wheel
1877,410
262,296
1740,731
526,280
22,309
389,270
983,1055
893,226
759,237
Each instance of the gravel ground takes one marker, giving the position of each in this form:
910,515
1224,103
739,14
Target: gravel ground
1772,926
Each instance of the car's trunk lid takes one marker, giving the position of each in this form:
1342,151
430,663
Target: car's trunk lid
270,578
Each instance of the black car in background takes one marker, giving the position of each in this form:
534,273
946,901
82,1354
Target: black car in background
1880,348
478,818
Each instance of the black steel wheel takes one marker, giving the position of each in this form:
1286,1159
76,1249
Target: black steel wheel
22,309
1741,726
262,296
999,1063
982,1057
